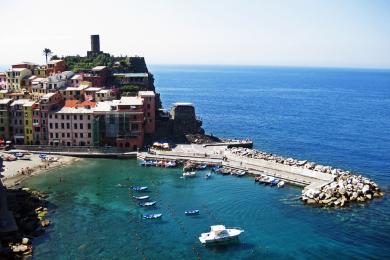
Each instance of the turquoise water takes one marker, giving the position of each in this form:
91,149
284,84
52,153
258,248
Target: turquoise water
332,116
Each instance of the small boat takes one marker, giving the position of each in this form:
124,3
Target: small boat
139,188
189,174
274,182
280,184
152,216
141,197
170,164
19,154
201,167
192,212
216,169
207,176
42,155
240,173
148,204
219,233
146,163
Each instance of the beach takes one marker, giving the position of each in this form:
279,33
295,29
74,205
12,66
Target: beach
16,171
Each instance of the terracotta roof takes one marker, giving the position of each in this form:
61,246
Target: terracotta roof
73,103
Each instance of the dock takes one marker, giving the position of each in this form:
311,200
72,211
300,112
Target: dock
219,155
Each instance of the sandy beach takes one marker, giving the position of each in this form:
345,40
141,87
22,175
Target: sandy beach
16,171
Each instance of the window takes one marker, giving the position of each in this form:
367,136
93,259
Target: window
89,117
51,125
75,126
68,135
76,135
67,126
75,117
148,106
56,135
63,135
81,135
81,117
89,126
89,135
67,117
51,135
56,125
26,122
62,117
55,116
81,126
62,125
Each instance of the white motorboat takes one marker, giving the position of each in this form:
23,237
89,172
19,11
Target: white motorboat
219,233
189,174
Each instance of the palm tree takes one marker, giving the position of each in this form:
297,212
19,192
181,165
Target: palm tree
47,52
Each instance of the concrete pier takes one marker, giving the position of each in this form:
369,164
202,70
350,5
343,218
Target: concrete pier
219,155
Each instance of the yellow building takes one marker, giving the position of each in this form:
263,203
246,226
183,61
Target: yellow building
15,78
28,109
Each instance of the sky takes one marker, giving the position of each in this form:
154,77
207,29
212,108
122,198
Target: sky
321,33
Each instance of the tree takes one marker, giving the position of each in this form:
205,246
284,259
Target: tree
47,52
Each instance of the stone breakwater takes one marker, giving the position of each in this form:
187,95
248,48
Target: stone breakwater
344,189
346,186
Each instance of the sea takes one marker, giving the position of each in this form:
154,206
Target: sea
333,116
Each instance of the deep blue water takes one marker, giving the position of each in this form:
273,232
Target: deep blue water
339,117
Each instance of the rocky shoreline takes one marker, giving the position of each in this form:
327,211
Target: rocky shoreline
345,188
30,209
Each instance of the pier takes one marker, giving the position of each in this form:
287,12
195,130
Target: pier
220,155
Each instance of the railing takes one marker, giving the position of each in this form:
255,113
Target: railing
72,149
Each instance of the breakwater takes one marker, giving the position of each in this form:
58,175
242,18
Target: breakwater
323,185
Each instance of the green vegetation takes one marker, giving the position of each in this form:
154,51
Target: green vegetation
78,63
129,90
47,52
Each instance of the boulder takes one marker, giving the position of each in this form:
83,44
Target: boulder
25,241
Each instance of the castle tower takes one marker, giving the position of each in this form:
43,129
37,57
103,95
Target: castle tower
95,46
95,43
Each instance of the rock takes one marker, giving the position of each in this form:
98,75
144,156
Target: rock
45,223
19,248
369,196
25,241
311,201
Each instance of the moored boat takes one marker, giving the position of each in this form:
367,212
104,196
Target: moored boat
139,188
207,176
281,184
192,212
147,204
152,216
189,174
219,233
141,197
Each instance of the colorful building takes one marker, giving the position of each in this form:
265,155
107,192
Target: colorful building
15,78
119,123
17,120
28,108
54,67
46,104
5,118
72,124
3,81
149,108
97,76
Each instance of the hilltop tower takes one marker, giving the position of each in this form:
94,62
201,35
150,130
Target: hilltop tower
95,46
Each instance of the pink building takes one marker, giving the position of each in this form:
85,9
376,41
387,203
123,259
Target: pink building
149,108
3,80
47,104
72,124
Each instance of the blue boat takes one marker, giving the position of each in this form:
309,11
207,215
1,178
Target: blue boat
139,188
216,169
148,204
152,216
192,212
274,182
207,176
